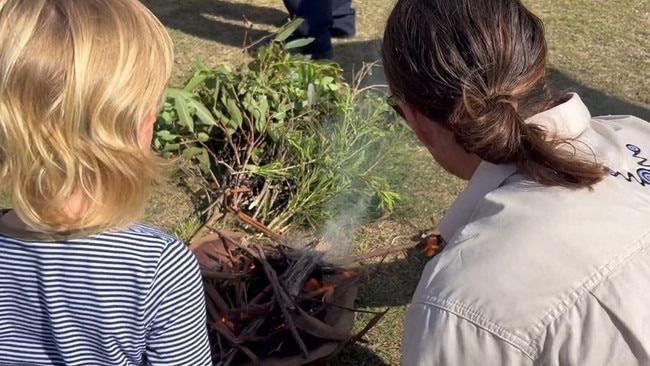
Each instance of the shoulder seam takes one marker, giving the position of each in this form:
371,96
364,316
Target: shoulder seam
480,321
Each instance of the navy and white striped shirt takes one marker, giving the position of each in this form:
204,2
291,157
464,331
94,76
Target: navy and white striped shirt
131,297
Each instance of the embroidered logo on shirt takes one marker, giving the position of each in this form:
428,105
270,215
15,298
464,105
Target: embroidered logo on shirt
642,175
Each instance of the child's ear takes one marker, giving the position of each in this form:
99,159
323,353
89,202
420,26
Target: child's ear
146,133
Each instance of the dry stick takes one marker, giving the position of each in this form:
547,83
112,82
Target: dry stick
266,292
229,358
340,306
256,224
214,258
299,271
368,326
215,275
318,328
236,342
251,329
223,330
218,300
240,190
282,301
220,346
227,248
252,311
258,202
282,298
216,215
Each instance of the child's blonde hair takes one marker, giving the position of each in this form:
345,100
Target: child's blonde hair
78,81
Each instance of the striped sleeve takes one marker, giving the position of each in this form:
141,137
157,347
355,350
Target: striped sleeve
177,333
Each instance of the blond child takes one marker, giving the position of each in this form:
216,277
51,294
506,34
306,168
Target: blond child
80,282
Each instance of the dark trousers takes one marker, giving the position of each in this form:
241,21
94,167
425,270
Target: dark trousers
324,19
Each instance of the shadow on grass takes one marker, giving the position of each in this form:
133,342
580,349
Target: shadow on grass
391,283
204,19
599,102
357,355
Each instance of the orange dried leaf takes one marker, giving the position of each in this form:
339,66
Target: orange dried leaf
314,283
431,251
432,246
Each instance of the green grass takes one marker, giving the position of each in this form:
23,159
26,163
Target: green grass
597,47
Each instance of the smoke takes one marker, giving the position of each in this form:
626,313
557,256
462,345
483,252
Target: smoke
338,233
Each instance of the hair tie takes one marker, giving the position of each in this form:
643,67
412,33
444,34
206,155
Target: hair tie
506,98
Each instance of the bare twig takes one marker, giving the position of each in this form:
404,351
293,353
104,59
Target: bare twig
216,215
226,333
368,326
296,275
256,224
283,302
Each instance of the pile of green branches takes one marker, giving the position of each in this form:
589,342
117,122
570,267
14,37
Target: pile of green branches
282,138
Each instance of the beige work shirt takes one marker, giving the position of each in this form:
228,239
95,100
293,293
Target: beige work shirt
535,275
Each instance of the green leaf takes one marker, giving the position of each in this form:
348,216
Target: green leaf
327,80
204,161
184,117
197,79
289,29
176,93
172,147
165,118
202,113
202,136
235,114
261,113
165,135
297,43
334,87
191,152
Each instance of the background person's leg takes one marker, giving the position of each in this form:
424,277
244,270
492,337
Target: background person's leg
344,19
318,21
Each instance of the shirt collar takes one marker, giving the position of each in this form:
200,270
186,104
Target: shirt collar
567,120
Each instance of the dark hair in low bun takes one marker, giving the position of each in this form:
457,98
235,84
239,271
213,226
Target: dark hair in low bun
479,68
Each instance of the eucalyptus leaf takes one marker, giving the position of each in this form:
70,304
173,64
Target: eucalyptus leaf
202,136
204,161
195,81
297,43
172,147
289,29
166,135
184,117
202,113
176,93
236,118
191,152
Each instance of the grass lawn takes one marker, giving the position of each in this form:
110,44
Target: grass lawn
599,48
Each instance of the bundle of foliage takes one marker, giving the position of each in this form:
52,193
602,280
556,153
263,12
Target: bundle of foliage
282,138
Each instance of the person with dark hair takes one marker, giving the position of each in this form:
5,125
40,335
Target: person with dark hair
548,249
324,19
